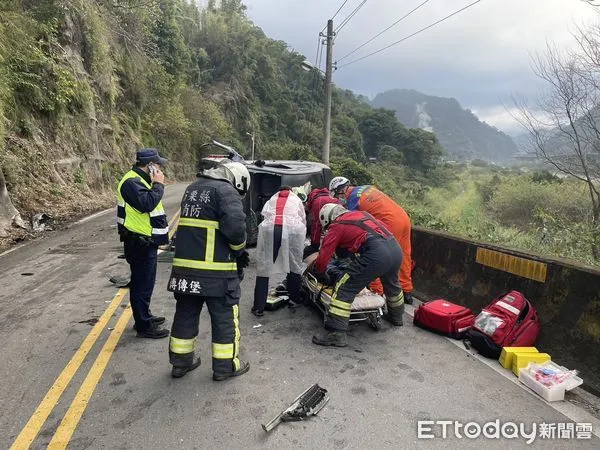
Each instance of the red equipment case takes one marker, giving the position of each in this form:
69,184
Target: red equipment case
444,317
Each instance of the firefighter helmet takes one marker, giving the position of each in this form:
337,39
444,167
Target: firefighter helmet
336,183
241,176
329,213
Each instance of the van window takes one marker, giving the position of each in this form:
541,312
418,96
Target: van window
317,180
262,188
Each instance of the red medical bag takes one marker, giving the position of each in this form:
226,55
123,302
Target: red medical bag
444,317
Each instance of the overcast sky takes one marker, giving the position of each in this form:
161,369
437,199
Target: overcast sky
481,56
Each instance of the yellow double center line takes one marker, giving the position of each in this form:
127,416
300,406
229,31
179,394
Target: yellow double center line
73,416
37,420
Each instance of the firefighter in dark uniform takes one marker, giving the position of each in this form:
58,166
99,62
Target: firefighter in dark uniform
143,226
207,268
377,254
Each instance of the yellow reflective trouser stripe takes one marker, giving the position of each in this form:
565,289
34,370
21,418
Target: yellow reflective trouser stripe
237,247
198,223
338,285
230,351
340,304
236,342
396,301
204,265
181,346
210,245
222,351
338,307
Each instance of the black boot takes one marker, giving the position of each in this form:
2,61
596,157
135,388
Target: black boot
294,284
408,299
281,288
220,376
157,319
178,372
154,332
331,339
394,316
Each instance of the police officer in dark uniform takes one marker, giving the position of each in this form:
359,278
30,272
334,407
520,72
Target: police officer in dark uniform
207,268
142,225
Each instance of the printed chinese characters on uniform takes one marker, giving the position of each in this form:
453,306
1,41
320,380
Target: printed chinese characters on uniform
185,286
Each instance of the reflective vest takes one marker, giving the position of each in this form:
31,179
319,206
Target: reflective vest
153,224
201,250
354,195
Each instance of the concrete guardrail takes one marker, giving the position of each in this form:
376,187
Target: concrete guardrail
565,294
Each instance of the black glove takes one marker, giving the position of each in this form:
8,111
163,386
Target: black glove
243,260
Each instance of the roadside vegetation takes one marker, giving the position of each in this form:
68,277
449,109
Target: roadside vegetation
532,211
84,83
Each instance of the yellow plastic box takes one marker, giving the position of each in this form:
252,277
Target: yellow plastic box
506,357
520,360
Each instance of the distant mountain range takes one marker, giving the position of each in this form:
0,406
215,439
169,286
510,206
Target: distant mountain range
458,130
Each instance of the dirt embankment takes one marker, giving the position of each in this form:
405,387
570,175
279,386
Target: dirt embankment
62,214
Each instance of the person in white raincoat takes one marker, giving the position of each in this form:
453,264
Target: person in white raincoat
280,246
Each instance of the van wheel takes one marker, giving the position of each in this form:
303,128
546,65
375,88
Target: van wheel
251,229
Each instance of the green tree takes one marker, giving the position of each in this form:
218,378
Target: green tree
421,149
379,127
356,173
171,48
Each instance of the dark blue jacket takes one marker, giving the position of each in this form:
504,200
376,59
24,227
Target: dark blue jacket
139,196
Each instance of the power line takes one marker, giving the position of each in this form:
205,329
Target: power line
319,47
350,16
320,57
410,35
377,35
336,13
339,9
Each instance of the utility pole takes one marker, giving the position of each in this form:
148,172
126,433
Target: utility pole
252,136
328,72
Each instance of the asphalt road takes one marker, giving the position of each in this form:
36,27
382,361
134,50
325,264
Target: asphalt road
61,387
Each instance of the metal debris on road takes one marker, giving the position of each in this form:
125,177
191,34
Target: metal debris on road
307,404
40,221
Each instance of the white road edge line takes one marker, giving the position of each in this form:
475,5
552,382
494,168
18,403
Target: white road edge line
571,411
93,216
11,250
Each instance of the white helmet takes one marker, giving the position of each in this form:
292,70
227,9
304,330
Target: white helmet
241,176
337,183
329,212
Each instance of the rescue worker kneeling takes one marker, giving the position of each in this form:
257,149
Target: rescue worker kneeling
377,254
207,268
